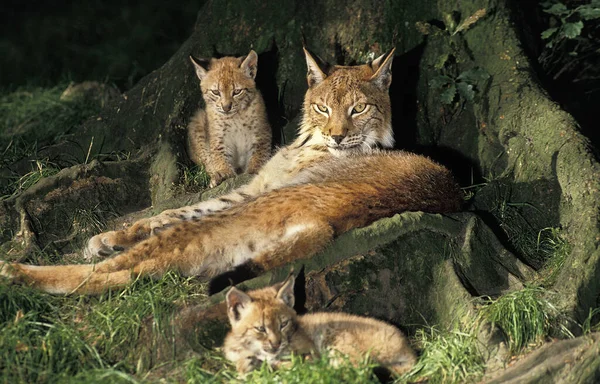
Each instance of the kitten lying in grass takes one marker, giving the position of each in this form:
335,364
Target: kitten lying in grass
265,328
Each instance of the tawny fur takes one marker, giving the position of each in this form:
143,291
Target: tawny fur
327,182
232,134
265,328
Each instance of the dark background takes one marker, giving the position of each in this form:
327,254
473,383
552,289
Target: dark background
118,42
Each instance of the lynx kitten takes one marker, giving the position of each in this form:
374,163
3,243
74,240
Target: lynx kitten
232,135
265,327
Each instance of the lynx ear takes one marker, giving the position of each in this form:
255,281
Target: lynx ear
286,292
237,301
249,64
383,70
315,75
200,66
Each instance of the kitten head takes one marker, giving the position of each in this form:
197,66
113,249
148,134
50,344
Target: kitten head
348,107
264,320
228,83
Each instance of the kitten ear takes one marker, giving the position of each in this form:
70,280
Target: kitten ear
200,66
236,302
315,75
286,292
249,64
383,70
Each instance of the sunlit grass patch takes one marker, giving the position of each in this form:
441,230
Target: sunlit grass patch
35,350
194,178
556,250
524,316
447,356
39,170
47,339
214,368
114,320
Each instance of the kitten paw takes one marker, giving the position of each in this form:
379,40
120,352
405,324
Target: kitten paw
218,177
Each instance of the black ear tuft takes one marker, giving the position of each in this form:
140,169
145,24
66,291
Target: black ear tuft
315,73
200,65
383,70
249,64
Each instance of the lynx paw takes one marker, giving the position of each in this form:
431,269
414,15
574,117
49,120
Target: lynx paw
102,245
164,220
218,177
4,270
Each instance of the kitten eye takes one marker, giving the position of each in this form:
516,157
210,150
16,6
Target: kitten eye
215,92
237,91
284,324
260,329
321,108
359,108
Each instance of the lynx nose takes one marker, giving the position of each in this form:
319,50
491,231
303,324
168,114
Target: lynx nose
337,138
226,107
274,345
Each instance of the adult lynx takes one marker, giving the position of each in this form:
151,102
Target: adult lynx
265,328
232,135
325,183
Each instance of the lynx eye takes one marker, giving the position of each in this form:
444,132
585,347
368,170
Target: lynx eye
359,108
237,91
321,108
260,329
284,324
215,92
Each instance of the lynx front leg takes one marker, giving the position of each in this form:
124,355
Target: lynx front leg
219,163
259,157
106,244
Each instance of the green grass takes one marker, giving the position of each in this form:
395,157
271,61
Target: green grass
320,370
555,249
524,316
32,118
47,339
194,178
38,113
448,356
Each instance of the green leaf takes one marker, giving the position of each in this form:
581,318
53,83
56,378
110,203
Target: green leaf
572,30
557,9
441,61
589,13
466,91
474,75
448,95
440,81
549,32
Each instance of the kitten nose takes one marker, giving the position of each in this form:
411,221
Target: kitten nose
274,345
226,107
337,138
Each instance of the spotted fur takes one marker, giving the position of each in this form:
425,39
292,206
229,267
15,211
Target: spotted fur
309,193
265,328
232,134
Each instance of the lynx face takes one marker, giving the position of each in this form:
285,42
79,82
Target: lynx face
228,84
349,108
262,326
